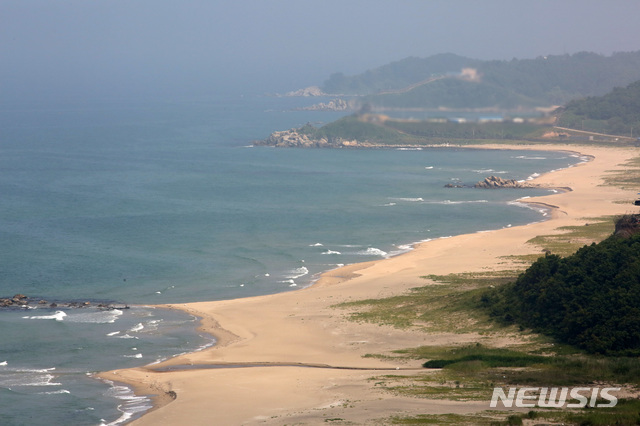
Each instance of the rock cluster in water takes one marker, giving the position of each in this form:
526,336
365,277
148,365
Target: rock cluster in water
493,182
292,138
22,301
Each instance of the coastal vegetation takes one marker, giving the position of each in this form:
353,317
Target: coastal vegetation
474,302
617,112
455,93
590,299
355,127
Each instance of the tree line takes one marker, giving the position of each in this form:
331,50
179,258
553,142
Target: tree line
590,299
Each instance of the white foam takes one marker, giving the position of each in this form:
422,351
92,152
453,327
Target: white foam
524,157
446,202
132,405
429,167
316,245
331,252
133,356
3,363
113,333
95,317
409,199
533,176
403,248
61,391
372,251
27,377
541,210
297,273
58,316
126,336
389,204
137,327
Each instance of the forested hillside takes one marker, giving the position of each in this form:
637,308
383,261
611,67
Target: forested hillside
617,112
590,299
543,81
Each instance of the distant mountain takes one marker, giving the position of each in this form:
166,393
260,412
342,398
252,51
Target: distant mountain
439,81
396,75
616,113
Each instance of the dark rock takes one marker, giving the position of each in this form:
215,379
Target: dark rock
627,225
494,182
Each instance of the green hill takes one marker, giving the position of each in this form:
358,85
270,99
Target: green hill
354,127
590,299
396,75
453,93
543,81
617,112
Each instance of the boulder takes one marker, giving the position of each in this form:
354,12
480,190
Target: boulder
494,182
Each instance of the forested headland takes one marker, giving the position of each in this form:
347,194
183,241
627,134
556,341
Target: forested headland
590,299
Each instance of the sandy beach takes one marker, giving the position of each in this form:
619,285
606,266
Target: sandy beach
294,358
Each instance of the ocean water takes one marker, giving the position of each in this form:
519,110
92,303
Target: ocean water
141,203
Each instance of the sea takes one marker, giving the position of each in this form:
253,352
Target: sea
144,202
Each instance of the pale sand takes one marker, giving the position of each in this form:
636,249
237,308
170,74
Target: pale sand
302,327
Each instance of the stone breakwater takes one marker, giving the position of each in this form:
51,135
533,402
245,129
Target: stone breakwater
22,301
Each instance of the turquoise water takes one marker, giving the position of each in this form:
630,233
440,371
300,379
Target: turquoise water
167,202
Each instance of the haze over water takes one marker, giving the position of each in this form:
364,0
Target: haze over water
127,176
146,203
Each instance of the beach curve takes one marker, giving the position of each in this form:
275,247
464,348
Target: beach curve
304,327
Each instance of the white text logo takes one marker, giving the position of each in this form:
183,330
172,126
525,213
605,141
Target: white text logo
554,397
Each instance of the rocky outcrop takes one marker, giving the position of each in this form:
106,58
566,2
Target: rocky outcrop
627,225
22,301
307,91
293,138
495,182
333,105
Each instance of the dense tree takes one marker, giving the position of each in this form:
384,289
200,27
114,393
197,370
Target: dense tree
617,112
590,299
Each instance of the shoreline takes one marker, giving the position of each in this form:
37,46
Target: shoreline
288,331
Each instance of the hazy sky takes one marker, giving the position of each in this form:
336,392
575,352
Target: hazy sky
97,48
